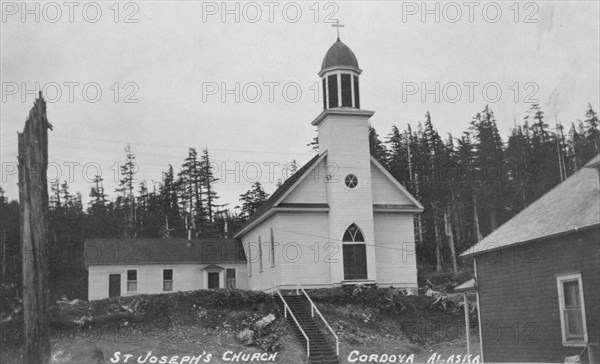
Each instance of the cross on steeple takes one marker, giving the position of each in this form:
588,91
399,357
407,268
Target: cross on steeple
338,26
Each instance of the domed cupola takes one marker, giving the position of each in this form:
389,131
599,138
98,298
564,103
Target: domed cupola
339,54
339,72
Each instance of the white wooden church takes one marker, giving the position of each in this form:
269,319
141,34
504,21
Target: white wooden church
340,219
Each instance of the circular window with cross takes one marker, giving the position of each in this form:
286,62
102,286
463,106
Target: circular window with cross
351,181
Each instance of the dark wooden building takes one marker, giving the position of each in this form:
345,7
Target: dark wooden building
538,277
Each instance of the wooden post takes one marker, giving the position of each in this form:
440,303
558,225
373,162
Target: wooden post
467,323
33,204
479,322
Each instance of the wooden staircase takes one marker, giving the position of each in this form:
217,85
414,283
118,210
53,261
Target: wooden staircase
321,350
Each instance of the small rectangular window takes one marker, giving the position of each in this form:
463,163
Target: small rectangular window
131,280
572,309
167,280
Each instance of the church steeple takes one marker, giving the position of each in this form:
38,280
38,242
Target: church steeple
339,74
343,134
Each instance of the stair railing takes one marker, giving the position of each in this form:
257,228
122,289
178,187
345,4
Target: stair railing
285,311
313,309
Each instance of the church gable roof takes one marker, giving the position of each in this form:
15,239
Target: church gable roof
309,190
281,192
387,191
572,205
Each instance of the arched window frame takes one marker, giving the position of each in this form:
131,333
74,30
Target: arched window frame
354,233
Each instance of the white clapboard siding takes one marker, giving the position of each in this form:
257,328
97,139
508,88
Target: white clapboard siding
186,277
303,237
395,250
295,236
270,275
384,190
312,189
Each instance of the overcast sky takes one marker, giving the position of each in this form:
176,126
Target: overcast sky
176,58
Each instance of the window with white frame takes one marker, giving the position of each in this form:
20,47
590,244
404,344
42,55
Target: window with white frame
131,280
249,256
272,249
572,309
260,257
167,280
230,277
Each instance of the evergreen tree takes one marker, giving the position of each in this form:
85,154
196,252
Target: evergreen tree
9,241
66,195
103,220
55,201
376,147
150,215
252,200
544,165
288,170
592,134
189,185
434,189
397,161
97,193
516,154
168,195
489,166
126,185
208,181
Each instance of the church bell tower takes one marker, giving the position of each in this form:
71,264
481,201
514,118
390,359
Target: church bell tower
339,74
343,133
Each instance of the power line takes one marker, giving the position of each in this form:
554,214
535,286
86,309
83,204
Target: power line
182,147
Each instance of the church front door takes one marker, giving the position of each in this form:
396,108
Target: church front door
355,261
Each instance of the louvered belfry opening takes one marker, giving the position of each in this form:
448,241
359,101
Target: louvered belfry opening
341,90
332,91
346,89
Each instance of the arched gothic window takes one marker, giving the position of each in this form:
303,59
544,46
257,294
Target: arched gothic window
353,234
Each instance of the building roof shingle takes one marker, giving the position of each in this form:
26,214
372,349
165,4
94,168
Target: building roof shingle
573,204
172,250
